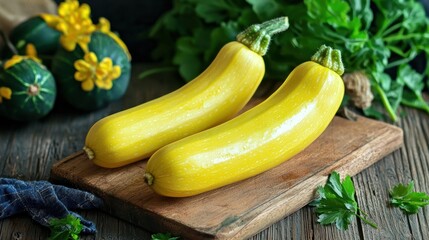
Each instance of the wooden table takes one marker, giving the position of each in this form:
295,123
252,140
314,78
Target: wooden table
28,151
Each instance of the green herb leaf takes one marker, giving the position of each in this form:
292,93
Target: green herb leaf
377,37
65,228
265,9
336,203
413,94
361,10
406,199
334,12
187,58
163,236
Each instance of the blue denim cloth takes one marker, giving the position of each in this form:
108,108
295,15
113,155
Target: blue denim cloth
43,201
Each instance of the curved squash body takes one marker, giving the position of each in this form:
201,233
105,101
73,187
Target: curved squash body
213,97
64,70
35,31
257,140
32,89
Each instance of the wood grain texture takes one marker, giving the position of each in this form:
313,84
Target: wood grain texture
239,210
62,133
411,162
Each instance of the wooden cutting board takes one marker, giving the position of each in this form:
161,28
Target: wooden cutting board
242,209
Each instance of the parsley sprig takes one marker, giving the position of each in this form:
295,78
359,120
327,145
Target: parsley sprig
163,236
404,197
67,228
336,203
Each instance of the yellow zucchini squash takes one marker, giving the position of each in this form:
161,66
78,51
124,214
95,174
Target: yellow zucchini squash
213,97
257,140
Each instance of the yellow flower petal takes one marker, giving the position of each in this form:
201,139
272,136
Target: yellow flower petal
67,7
12,61
63,9
50,19
115,73
30,50
103,25
108,85
82,76
100,73
84,39
84,11
104,84
63,27
87,85
82,65
84,47
99,83
106,63
91,58
5,92
68,43
89,28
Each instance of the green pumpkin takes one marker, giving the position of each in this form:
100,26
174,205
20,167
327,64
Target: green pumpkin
64,70
35,31
33,91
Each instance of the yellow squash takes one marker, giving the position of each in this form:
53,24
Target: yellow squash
257,140
213,97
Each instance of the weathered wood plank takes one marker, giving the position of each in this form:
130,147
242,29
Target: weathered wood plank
416,156
21,227
410,163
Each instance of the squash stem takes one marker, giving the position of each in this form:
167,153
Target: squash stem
89,153
33,90
330,58
148,178
258,36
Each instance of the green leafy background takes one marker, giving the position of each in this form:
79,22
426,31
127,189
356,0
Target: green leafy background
382,38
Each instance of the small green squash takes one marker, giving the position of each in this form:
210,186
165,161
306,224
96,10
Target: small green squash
35,30
75,84
31,89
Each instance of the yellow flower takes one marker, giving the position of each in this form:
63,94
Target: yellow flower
93,73
74,22
31,53
106,72
6,93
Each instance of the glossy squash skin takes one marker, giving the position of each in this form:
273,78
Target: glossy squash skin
213,97
37,32
33,91
257,140
70,89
